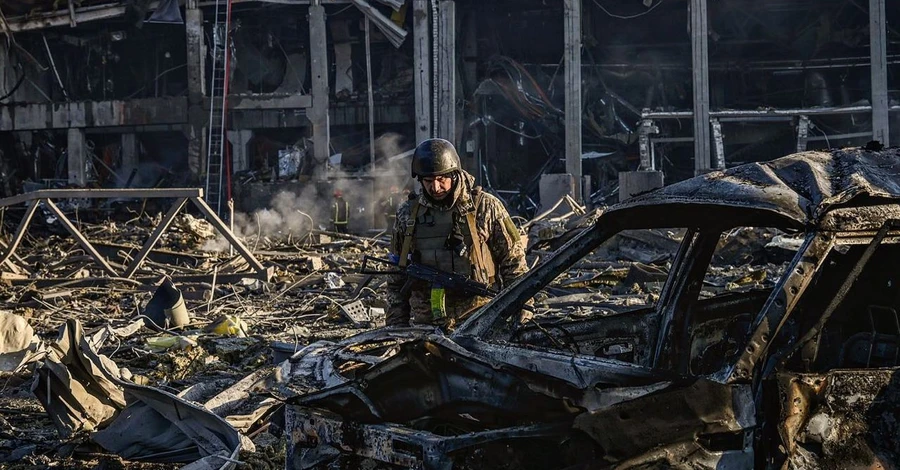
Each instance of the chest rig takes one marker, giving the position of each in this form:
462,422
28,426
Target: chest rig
449,241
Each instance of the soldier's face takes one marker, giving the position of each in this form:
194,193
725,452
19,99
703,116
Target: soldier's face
438,187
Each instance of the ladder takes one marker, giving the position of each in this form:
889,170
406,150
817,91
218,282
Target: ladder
217,167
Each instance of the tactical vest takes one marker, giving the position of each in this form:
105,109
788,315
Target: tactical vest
428,237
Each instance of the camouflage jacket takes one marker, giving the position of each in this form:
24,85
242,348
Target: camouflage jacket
493,224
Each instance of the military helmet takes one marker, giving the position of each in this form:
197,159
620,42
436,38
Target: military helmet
434,157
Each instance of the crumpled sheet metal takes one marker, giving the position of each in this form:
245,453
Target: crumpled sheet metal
314,363
80,389
633,430
74,386
798,188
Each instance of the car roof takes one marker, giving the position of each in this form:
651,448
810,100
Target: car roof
795,191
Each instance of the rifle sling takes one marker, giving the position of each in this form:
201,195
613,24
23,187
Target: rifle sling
408,235
477,252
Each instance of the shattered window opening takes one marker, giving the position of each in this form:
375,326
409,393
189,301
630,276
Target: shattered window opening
747,264
864,329
607,298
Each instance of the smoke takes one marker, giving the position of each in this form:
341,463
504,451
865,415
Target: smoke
292,215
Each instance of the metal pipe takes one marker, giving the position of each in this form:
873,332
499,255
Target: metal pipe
56,72
749,113
371,98
854,135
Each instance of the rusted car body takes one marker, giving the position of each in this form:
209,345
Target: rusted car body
799,374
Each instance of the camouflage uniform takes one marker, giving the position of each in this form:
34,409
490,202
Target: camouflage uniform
495,229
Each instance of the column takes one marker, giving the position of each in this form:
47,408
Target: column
77,157
198,116
422,67
318,114
878,49
572,51
446,68
700,66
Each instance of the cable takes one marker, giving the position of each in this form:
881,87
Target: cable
816,127
341,10
19,82
627,17
492,121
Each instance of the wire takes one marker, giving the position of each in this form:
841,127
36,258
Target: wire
341,10
19,82
823,135
491,120
627,17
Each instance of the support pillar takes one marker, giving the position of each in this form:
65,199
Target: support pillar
719,143
130,153
446,70
239,140
77,157
24,141
572,19
878,49
6,82
318,114
647,128
195,130
422,67
700,66
802,133
470,50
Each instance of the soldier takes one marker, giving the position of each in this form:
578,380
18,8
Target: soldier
340,212
453,226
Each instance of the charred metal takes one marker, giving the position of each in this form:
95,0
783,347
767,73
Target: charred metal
796,372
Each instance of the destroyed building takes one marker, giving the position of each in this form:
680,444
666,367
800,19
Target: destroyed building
247,98
758,300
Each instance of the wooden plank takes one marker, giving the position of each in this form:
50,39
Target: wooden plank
422,68
85,244
164,225
573,109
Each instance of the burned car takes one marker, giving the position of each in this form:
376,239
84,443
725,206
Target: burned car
795,372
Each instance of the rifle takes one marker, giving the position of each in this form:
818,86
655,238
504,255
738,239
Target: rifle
435,277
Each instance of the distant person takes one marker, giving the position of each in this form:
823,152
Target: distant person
340,212
390,204
453,226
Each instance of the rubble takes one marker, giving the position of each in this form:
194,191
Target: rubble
309,337
216,332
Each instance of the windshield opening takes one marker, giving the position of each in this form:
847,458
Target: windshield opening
744,268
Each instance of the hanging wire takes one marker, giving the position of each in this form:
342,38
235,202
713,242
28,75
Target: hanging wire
630,16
